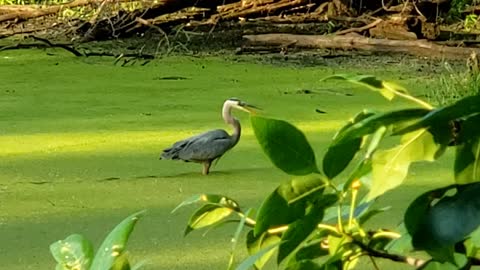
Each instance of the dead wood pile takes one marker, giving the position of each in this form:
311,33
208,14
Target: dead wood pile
389,25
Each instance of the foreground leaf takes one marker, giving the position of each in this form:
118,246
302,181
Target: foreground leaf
466,107
207,215
256,244
390,167
114,244
298,231
437,228
252,259
220,200
467,162
285,145
373,123
73,253
386,89
236,237
339,155
287,202
459,259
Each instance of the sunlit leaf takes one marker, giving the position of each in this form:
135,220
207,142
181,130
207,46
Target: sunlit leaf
437,227
236,237
121,263
285,145
73,253
220,200
114,244
472,244
207,215
252,259
299,230
390,167
287,202
256,244
386,89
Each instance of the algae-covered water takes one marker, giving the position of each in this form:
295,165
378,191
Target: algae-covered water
80,140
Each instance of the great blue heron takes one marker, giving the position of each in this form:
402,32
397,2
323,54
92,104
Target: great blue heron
211,145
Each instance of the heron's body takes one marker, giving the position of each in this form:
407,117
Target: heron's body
211,145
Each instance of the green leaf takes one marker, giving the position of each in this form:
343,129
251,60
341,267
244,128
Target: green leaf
459,259
236,236
311,249
287,202
466,107
285,145
386,89
256,244
220,200
252,259
114,244
207,215
338,156
373,123
437,228
467,162
74,252
368,214
121,263
390,167
299,230
467,129
306,265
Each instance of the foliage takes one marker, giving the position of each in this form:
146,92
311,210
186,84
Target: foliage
456,85
310,222
456,8
76,253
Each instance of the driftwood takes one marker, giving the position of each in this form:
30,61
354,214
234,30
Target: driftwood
357,42
24,13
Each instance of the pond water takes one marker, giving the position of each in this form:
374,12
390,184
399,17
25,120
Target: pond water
80,140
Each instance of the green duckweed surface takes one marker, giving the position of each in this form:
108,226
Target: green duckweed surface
80,141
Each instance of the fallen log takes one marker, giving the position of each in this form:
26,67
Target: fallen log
357,42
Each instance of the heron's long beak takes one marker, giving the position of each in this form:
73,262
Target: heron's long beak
248,107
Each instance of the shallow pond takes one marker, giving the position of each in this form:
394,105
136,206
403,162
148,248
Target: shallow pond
80,141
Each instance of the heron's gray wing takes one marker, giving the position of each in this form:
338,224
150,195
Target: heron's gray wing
206,146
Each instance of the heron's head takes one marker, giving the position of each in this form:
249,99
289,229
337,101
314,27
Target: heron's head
238,104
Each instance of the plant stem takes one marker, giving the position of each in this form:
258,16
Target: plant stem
416,100
352,208
282,229
248,221
392,235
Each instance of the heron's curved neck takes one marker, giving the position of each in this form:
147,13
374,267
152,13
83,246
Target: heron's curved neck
229,119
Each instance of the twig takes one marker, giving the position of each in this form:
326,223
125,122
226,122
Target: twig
359,29
393,257
134,55
54,45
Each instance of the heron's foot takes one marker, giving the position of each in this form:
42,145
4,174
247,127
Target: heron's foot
206,167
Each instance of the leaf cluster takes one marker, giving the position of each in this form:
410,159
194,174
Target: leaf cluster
315,220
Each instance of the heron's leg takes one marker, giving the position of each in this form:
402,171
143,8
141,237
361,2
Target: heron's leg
206,167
